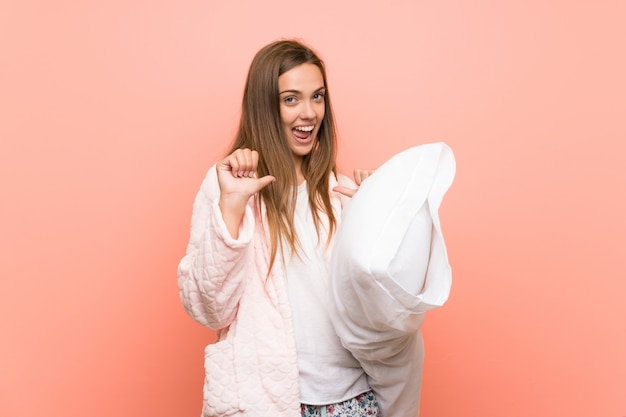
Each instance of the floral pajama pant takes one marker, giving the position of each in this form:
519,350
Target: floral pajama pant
363,405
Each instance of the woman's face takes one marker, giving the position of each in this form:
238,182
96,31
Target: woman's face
301,95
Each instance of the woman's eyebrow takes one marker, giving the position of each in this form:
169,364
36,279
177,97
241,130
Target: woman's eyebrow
322,88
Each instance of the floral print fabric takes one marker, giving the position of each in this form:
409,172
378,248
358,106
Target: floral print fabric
363,405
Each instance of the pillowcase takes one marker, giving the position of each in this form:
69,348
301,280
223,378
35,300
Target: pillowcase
389,265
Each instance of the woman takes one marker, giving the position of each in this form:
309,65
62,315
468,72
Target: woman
257,264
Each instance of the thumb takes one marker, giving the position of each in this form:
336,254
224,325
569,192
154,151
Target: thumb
265,181
348,192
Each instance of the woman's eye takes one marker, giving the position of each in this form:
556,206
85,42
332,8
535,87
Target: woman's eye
289,100
318,96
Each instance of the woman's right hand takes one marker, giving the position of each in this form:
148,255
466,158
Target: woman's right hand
236,174
237,179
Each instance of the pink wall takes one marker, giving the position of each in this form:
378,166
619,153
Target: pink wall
110,113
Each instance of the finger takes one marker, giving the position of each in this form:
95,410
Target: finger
254,163
242,157
229,164
240,161
348,192
361,174
249,160
249,163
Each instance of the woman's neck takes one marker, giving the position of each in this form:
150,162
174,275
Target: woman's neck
297,162
299,177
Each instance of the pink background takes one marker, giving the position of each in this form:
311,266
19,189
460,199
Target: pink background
111,112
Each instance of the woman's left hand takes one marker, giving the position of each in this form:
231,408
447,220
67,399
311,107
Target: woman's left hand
359,176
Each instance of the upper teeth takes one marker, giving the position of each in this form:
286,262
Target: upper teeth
304,128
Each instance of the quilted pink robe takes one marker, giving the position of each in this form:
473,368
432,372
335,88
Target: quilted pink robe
252,369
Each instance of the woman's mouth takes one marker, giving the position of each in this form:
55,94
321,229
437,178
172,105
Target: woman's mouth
302,133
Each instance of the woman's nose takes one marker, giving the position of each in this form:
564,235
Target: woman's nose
307,111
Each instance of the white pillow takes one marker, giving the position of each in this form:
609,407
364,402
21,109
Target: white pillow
389,265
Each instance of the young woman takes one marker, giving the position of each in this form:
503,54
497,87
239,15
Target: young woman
257,264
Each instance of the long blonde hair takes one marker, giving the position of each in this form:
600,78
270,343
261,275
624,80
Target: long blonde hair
260,130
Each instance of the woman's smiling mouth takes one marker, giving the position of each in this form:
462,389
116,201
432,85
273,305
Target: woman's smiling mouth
302,133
